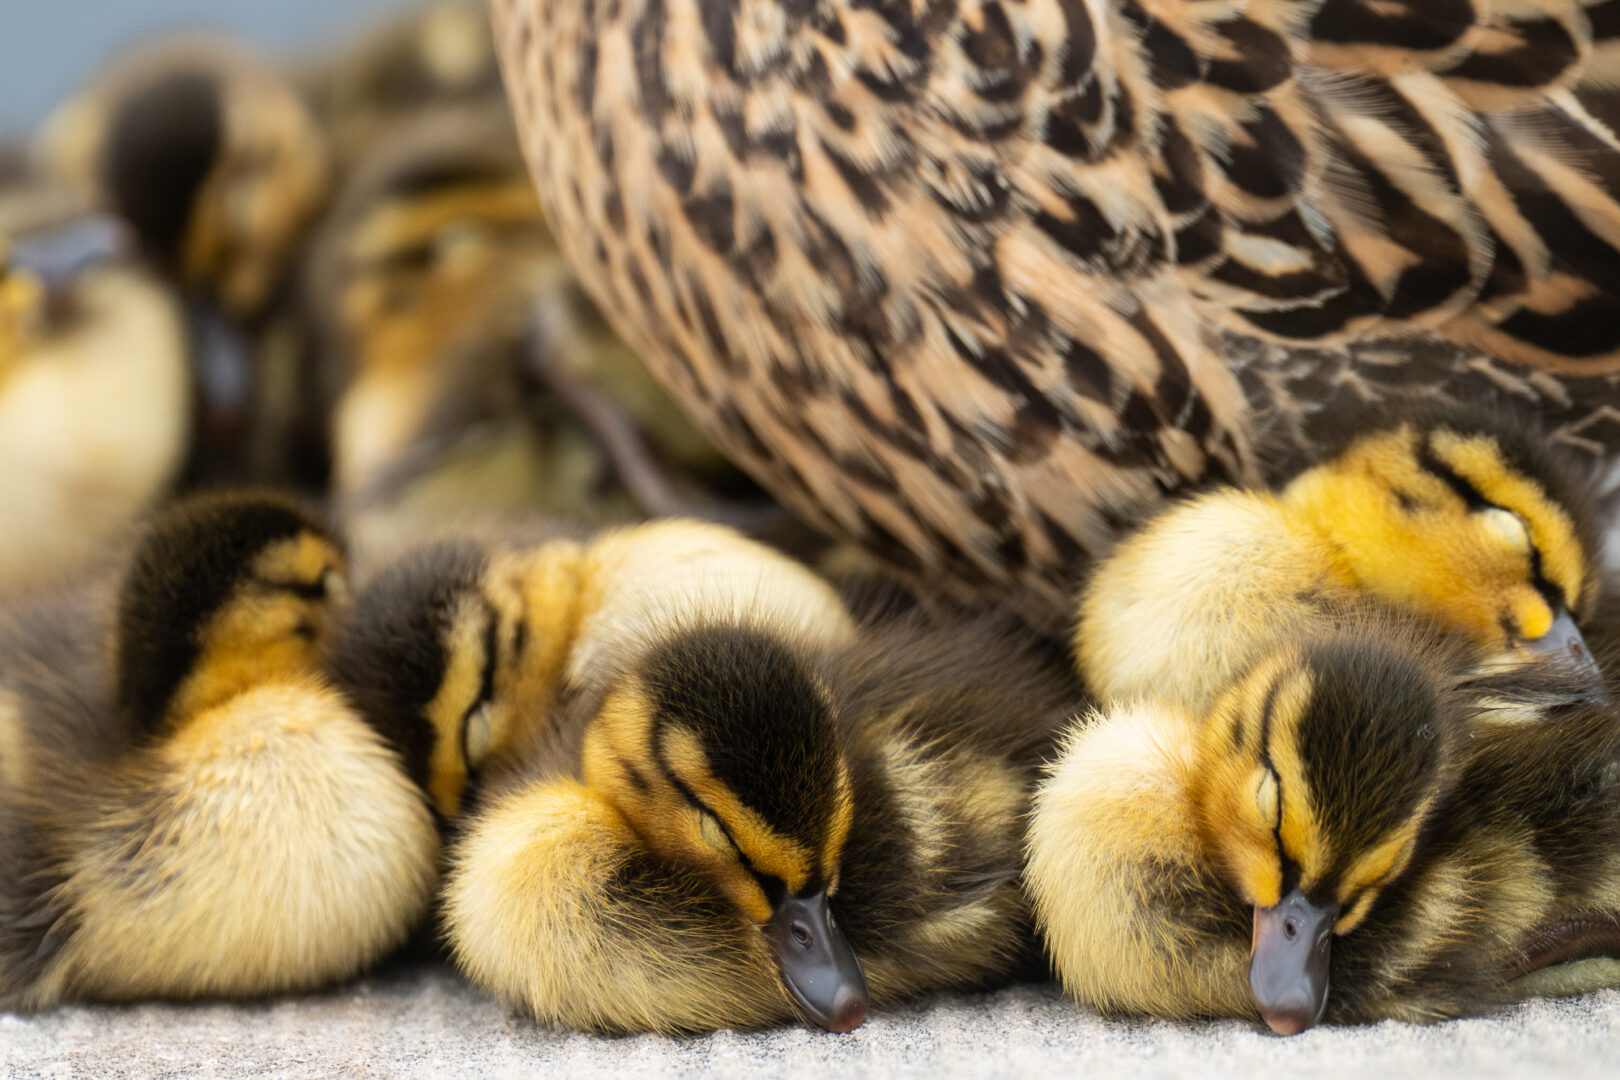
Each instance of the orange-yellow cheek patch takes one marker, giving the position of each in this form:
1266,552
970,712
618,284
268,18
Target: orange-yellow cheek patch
1531,615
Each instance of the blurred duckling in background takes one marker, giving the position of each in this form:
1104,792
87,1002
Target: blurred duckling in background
1346,799
424,282
470,375
218,166
201,813
94,406
690,794
433,56
211,156
1457,517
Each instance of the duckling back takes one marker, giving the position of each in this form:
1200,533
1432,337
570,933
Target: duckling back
948,722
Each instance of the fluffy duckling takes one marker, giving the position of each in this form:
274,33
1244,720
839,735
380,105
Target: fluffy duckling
94,406
1343,801
208,153
424,282
363,92
202,813
219,167
468,372
727,807
1458,517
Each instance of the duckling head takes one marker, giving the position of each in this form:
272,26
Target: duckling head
1464,521
1318,771
719,748
224,592
209,154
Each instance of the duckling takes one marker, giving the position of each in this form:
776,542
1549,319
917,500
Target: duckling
201,813
731,806
1457,516
467,371
1348,835
219,167
364,91
208,153
94,406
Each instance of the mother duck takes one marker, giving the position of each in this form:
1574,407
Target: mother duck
976,283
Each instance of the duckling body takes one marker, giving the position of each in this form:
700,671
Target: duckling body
744,807
206,815
978,284
94,403
1453,517
1349,835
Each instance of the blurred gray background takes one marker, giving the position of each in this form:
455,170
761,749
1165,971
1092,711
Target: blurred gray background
48,46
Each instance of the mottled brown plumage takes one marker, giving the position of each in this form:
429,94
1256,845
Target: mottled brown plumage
975,282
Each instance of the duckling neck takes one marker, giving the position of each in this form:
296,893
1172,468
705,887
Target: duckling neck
224,671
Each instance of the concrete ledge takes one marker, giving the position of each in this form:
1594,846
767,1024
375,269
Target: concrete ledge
425,1022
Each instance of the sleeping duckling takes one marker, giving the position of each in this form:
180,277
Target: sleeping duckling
466,370
202,813
218,166
208,153
1459,517
730,808
365,91
1343,799
93,397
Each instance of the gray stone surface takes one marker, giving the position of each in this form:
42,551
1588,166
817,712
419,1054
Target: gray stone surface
424,1022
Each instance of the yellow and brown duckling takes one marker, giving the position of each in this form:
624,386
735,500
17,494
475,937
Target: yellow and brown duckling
1457,517
210,155
189,807
729,806
1348,834
94,403
425,281
465,368
364,91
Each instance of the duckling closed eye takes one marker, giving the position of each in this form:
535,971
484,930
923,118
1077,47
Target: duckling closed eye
207,752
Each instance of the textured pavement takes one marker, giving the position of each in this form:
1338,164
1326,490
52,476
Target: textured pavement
424,1022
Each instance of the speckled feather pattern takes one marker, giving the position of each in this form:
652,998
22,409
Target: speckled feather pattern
978,282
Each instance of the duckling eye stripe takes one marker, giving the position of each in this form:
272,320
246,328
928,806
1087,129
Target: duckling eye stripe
1431,463
1538,577
486,685
772,886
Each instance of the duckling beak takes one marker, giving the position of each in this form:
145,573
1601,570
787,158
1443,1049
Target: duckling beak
1564,641
58,255
818,966
1288,967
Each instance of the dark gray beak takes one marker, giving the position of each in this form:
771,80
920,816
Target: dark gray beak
818,966
1564,642
1288,966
